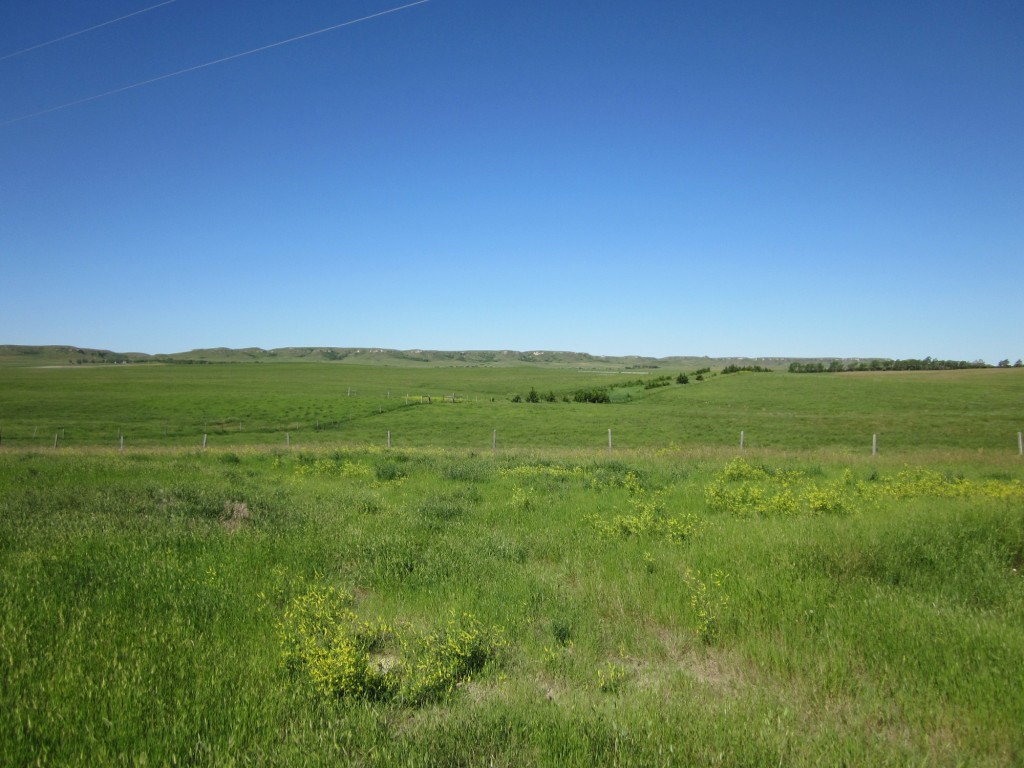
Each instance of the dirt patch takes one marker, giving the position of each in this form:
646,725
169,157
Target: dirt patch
235,514
708,669
711,667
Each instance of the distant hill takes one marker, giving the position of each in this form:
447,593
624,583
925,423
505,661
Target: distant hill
13,354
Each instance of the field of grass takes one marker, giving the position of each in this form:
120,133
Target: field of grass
350,405
676,602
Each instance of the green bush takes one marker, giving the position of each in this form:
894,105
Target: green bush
347,658
592,396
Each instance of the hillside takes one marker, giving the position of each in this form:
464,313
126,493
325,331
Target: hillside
14,354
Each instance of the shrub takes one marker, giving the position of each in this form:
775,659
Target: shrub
436,664
348,658
648,518
659,381
744,490
745,368
323,637
592,396
707,600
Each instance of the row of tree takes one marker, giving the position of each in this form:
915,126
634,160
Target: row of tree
745,369
928,364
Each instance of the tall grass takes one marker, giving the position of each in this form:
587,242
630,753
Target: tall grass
145,594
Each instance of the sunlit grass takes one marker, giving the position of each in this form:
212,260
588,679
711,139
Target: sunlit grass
553,615
327,406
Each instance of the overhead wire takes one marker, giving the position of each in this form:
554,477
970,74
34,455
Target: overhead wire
204,65
87,29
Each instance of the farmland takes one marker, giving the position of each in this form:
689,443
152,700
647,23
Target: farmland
331,405
298,592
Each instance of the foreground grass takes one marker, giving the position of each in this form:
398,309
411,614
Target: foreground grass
686,607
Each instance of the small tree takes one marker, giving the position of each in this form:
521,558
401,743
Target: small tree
682,378
533,397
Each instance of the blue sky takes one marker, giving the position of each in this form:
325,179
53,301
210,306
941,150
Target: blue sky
656,177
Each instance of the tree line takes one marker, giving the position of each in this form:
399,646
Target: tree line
927,364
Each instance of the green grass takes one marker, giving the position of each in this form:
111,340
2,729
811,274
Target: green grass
676,602
350,405
144,594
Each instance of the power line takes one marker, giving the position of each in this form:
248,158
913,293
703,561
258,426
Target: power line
232,57
83,31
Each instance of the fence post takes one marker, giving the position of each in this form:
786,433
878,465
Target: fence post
204,440
55,436
494,440
741,439
389,439
874,444
609,441
121,440
1020,443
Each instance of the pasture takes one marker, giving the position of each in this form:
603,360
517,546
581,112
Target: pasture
349,405
672,601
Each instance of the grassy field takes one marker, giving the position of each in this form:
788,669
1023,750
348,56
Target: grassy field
675,602
349,405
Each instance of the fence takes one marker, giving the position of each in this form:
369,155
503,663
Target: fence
275,435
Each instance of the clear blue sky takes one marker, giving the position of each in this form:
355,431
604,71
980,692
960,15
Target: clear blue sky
656,177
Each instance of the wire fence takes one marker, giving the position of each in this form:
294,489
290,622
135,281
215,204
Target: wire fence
326,432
